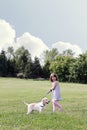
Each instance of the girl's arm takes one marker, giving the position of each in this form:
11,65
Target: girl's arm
54,86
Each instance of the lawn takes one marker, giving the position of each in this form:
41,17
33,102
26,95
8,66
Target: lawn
13,111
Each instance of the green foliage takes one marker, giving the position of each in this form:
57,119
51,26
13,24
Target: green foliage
46,69
50,55
68,52
82,68
22,57
61,66
13,111
67,67
3,64
70,69
36,69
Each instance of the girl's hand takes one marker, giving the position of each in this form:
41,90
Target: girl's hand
50,90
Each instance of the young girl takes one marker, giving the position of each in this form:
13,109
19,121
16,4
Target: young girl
56,96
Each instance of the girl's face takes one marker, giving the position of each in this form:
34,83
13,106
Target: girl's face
53,78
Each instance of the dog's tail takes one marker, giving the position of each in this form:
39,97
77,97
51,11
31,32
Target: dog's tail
25,103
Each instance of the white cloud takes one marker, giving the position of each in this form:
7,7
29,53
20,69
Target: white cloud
62,46
34,44
7,34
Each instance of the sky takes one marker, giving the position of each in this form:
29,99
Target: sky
40,25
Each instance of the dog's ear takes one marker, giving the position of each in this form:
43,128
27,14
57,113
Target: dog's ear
45,101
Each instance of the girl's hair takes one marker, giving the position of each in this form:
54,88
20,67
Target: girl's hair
53,75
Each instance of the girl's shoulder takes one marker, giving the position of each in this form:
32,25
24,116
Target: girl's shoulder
56,83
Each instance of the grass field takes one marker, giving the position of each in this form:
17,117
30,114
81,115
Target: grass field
13,112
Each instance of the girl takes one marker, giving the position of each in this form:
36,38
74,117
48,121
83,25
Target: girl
56,96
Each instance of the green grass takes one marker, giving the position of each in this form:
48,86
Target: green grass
13,112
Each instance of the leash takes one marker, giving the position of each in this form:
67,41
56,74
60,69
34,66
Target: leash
47,93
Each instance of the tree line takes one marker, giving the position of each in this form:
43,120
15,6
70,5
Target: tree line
67,67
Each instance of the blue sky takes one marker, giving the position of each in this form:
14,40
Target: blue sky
56,23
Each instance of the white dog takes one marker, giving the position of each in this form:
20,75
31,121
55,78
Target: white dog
37,106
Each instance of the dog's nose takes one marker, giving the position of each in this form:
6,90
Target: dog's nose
48,102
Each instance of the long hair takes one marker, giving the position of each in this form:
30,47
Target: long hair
53,75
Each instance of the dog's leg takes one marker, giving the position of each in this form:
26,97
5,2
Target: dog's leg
40,110
29,110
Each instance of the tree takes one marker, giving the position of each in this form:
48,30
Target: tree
61,66
82,68
68,52
46,69
50,55
10,52
36,69
3,64
11,64
73,70
29,72
22,57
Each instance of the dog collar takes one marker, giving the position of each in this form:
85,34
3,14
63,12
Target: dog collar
42,105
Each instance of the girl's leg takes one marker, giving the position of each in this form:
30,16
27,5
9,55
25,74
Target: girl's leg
58,105
54,106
